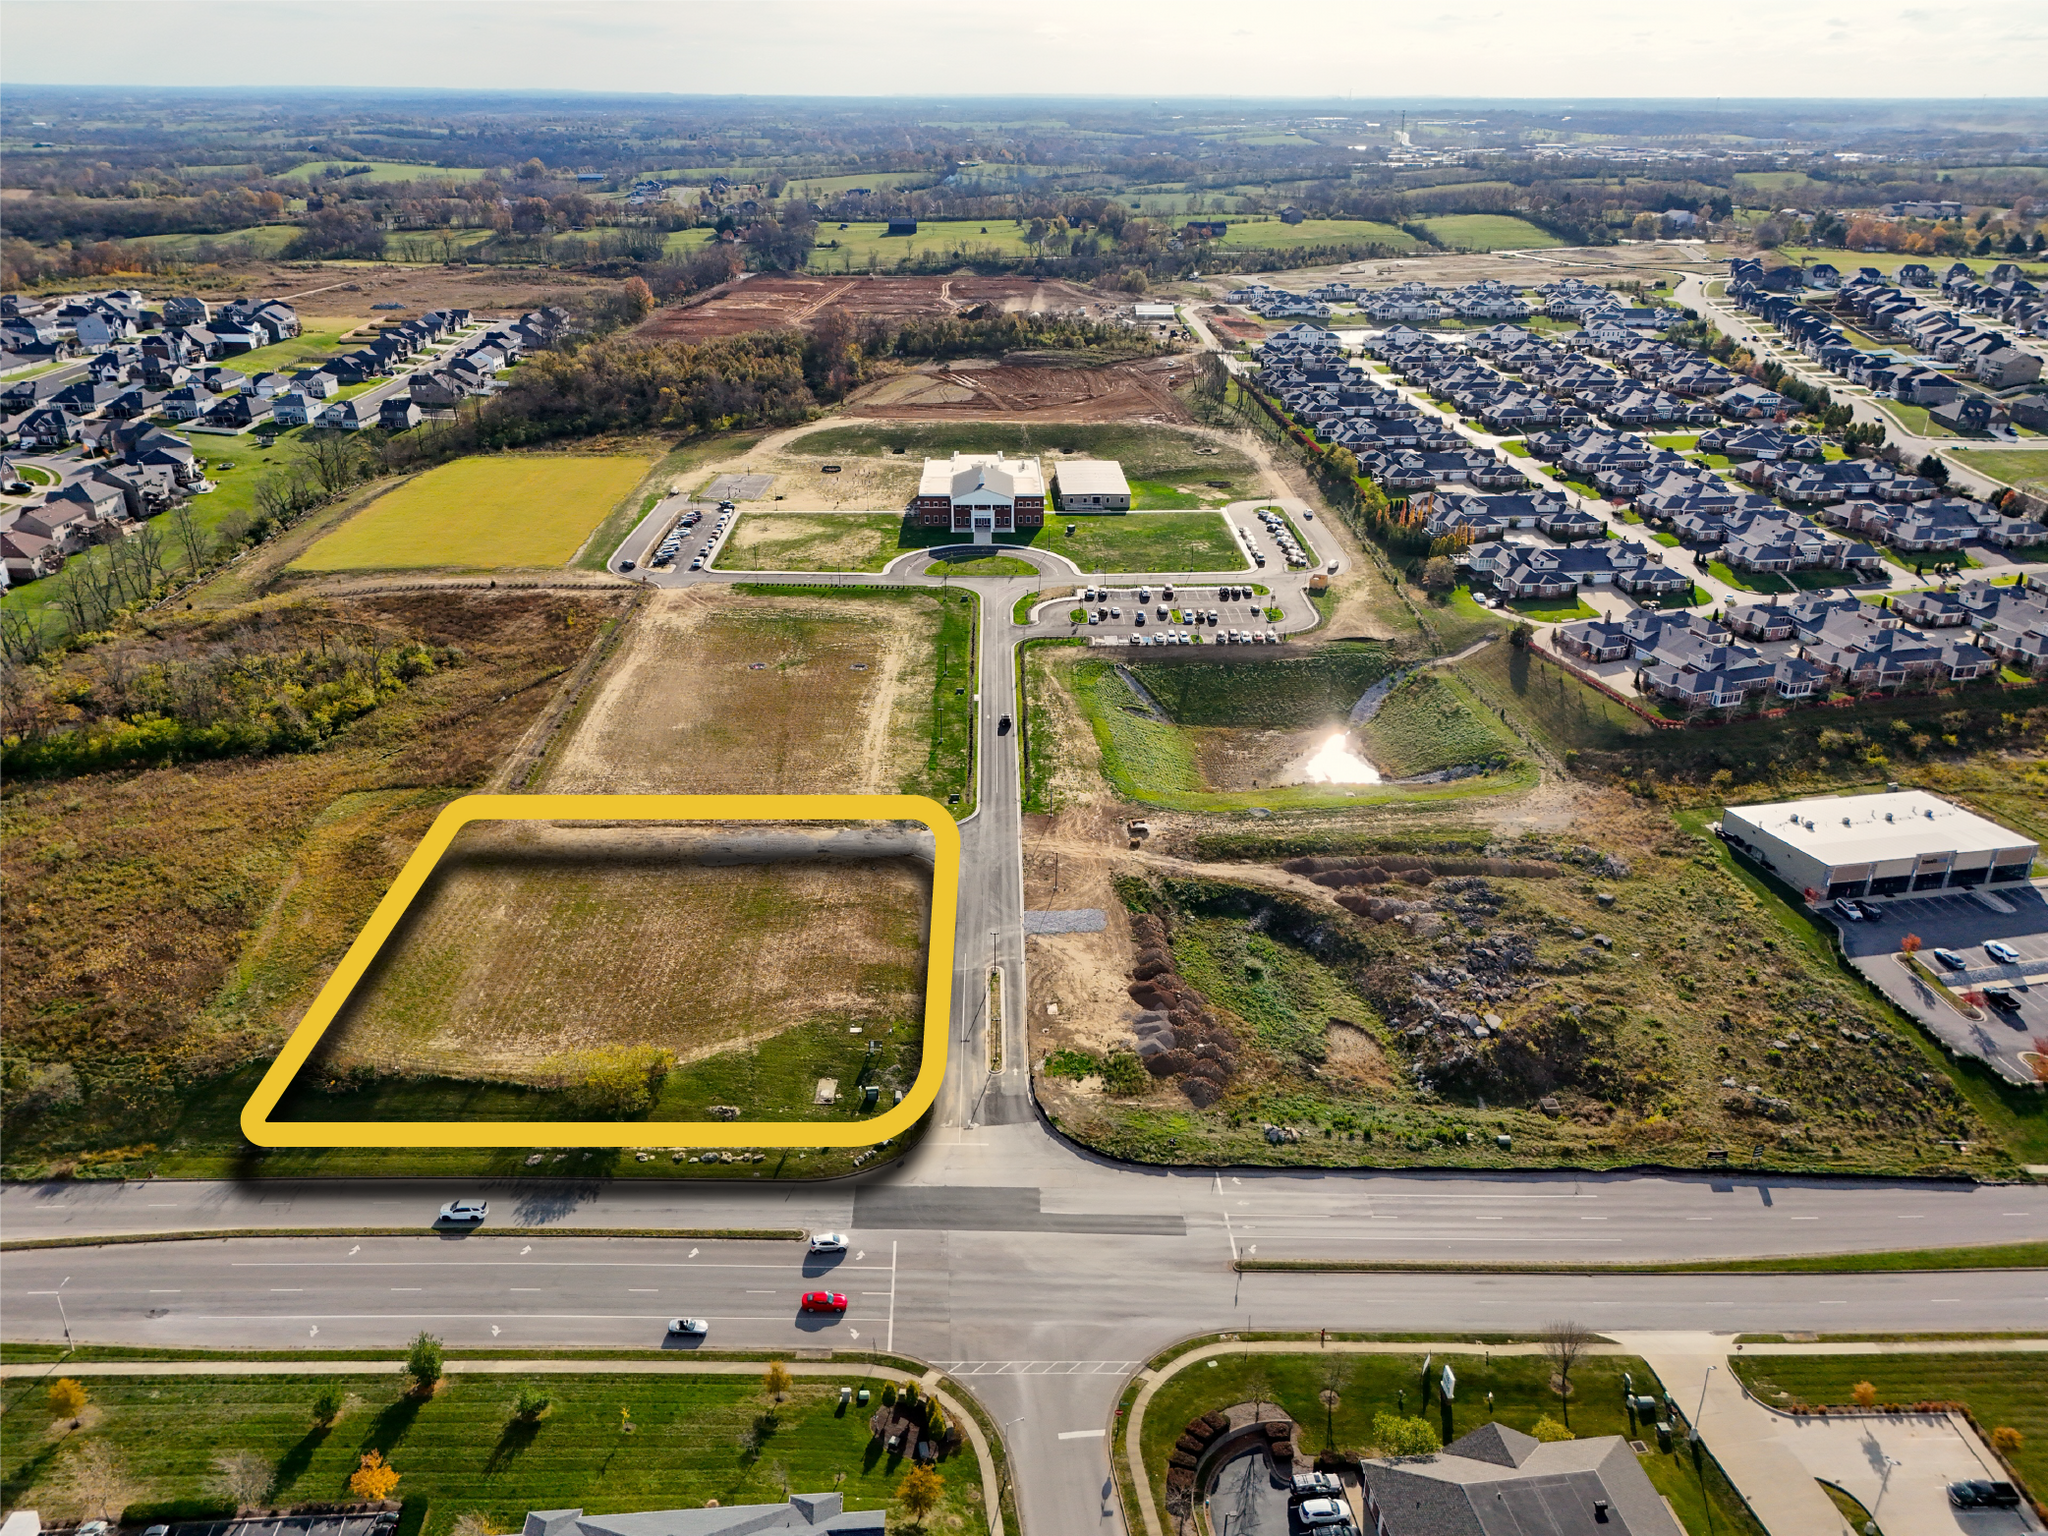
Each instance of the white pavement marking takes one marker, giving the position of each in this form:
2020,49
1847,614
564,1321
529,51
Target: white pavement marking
891,1341
1081,1434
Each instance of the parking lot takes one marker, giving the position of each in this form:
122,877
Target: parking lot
1962,922
1147,612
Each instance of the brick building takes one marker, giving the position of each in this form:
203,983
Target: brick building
982,494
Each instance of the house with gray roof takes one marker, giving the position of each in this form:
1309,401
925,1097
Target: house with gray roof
1497,1480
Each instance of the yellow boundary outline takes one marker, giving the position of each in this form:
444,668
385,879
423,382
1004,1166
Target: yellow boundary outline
265,1132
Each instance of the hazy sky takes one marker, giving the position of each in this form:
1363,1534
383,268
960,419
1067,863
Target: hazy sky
1571,49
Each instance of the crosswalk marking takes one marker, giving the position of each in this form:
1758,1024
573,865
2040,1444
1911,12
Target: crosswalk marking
1037,1367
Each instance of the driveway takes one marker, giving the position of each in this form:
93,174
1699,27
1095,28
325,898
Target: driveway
1248,1500
1961,921
1929,1451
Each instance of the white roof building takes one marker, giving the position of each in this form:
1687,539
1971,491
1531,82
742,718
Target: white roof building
1877,845
1092,485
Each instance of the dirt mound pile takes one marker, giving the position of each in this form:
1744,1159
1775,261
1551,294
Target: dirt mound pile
1178,1036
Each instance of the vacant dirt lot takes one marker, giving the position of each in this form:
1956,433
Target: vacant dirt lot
534,940
772,301
717,692
1022,388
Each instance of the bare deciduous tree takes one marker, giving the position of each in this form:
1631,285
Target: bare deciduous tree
1563,1343
190,535
245,1477
95,1482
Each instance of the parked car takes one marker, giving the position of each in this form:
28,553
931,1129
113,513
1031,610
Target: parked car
1849,911
693,1325
1325,1511
1872,912
824,1301
1313,1485
1951,959
828,1242
1973,1493
2002,997
2004,954
465,1210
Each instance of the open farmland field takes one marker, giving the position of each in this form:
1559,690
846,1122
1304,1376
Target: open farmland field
386,170
717,691
775,300
1489,232
467,1455
508,510
533,944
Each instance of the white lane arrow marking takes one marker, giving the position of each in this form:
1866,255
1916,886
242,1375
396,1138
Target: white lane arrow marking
853,1333
859,1256
494,1330
527,1249
355,1250
1253,1249
313,1334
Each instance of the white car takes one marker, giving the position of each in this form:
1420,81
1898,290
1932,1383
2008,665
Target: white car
1314,1512
2005,954
828,1242
465,1210
695,1325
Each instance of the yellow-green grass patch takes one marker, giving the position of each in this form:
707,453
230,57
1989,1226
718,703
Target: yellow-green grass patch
515,510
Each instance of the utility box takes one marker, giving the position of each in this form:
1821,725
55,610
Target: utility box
869,1095
1663,1435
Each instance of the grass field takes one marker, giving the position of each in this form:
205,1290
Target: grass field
1151,541
508,510
2025,469
858,244
982,565
1432,720
1549,703
1367,1385
1489,232
262,239
463,1452
385,170
1999,1388
318,341
518,919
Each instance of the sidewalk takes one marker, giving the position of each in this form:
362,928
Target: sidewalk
1743,1436
991,1487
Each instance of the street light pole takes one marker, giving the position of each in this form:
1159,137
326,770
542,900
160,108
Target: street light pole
1884,1483
59,1294
1695,1434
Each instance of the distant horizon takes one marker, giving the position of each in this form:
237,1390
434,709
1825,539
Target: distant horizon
1201,49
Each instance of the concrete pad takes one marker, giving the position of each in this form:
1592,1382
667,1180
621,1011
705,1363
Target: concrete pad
1932,1450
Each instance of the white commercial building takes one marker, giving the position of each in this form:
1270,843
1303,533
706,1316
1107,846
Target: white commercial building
1877,845
1092,485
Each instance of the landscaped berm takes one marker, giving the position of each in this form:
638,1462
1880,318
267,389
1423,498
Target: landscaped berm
509,510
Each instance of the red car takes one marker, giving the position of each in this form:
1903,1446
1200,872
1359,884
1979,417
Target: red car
824,1301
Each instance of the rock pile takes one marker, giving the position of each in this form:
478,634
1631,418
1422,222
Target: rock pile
1177,1035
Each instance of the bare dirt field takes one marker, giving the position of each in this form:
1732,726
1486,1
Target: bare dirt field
1593,264
719,692
1022,388
772,301
534,940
